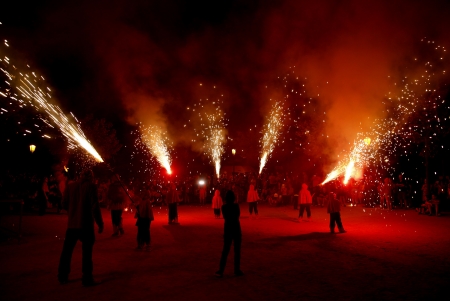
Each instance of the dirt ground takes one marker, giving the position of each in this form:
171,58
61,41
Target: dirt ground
385,255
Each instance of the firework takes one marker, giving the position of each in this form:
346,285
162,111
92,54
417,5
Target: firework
157,143
271,133
413,118
215,138
210,125
27,88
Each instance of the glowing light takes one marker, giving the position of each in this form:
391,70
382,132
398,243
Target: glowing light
32,148
201,182
367,140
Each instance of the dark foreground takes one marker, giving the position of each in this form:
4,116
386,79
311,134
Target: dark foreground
397,255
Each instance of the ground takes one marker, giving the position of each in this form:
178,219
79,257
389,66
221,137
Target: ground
385,255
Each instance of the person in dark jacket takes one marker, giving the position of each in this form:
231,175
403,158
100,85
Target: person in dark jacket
232,233
81,202
172,200
334,209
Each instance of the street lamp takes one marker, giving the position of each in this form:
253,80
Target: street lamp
32,148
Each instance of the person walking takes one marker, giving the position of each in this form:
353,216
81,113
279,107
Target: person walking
252,200
117,203
172,200
217,203
305,201
334,209
232,234
81,202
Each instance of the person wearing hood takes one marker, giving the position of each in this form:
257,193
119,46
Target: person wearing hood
305,201
252,200
217,203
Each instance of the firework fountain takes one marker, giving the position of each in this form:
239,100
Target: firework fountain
271,133
414,114
215,138
157,143
27,89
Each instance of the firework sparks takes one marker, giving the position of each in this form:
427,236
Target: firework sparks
26,88
215,138
414,114
157,143
271,134
210,125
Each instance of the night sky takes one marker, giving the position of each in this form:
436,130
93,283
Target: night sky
130,61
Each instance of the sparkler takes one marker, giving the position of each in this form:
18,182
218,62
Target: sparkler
26,88
271,134
157,142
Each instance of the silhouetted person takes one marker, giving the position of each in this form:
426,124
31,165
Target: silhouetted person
42,196
117,203
232,234
80,201
172,200
334,209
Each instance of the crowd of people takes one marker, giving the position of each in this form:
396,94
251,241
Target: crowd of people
275,189
82,198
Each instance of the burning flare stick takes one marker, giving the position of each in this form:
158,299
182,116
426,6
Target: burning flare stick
156,141
271,132
27,88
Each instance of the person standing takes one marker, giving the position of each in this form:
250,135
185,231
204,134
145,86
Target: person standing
117,203
42,196
334,209
400,186
81,202
217,203
172,200
252,200
232,234
305,201
144,214
386,193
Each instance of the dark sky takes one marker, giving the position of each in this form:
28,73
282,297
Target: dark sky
144,60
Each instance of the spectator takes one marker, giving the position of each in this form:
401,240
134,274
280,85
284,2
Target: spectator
217,203
252,200
305,201
80,201
334,209
172,200
117,203
232,233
